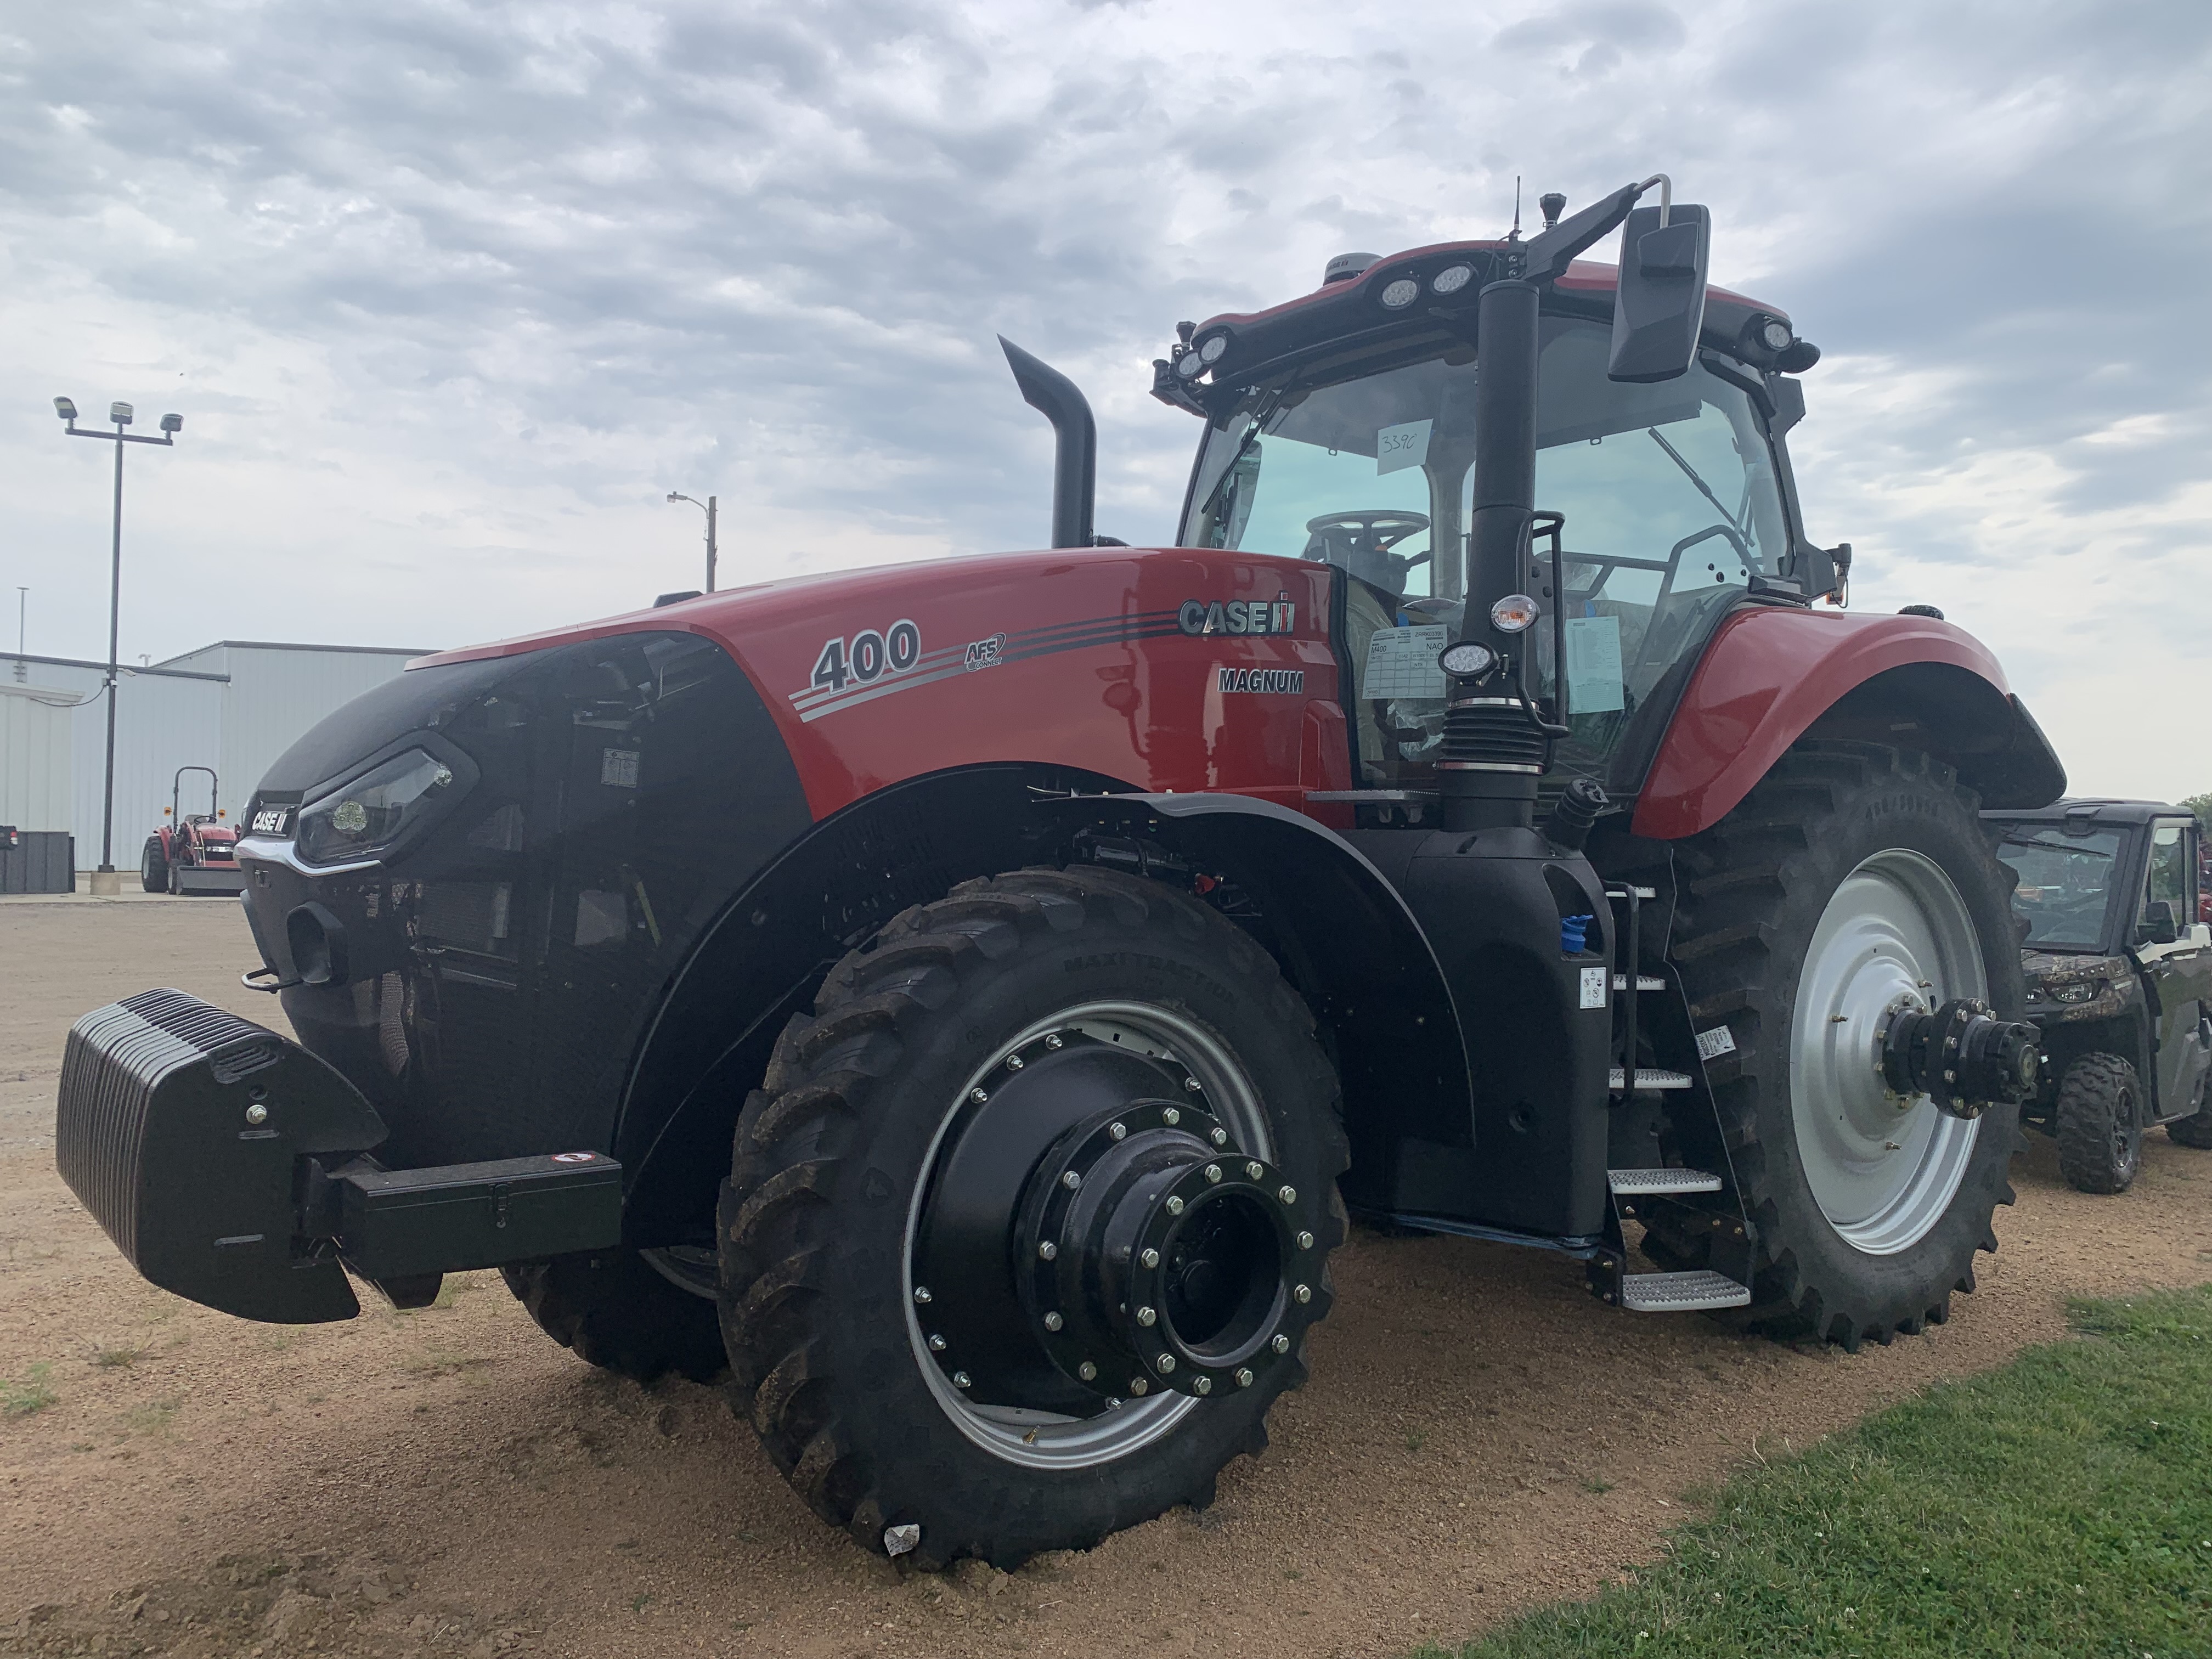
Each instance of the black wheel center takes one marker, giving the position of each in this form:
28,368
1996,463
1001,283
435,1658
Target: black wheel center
1223,1274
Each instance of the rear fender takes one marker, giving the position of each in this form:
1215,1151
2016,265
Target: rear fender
1773,675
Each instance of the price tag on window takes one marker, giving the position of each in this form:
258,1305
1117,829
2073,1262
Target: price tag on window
1397,447
1402,662
1593,664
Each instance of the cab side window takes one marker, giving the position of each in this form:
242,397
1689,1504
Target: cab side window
2173,872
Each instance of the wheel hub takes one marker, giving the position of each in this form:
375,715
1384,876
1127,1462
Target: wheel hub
1094,1233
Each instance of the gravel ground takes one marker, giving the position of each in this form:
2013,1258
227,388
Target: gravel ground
1478,1435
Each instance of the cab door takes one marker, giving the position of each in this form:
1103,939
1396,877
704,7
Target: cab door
2177,972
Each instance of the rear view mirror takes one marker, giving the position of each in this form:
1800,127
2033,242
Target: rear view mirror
1659,303
2159,926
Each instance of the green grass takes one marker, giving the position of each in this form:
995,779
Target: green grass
2060,1507
22,1395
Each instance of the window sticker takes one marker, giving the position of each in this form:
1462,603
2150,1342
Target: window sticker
1593,664
1397,447
1402,662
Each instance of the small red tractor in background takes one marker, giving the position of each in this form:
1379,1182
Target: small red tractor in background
193,852
965,1002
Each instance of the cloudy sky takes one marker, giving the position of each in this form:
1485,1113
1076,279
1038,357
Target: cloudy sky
450,295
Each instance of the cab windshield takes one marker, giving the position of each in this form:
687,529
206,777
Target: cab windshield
2065,886
1668,492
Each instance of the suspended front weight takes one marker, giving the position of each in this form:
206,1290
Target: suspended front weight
1160,1255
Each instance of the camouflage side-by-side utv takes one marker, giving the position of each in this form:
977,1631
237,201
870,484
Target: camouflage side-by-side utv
2119,978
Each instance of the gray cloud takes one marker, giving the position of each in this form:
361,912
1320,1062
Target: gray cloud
468,287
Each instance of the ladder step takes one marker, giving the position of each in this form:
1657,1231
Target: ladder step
1644,983
1681,1292
1625,1182
1648,1079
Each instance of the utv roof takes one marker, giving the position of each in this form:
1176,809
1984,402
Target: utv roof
1353,308
2091,809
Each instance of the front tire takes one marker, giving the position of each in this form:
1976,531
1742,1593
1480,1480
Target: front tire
1853,879
2099,1124
154,866
617,1311
867,1160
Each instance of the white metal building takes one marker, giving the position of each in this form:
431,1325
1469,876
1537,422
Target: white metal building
235,706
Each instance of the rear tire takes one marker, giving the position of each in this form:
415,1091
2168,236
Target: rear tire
1851,876
154,867
618,1312
841,1159
2099,1124
2195,1130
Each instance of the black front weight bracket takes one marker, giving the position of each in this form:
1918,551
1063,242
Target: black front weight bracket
229,1165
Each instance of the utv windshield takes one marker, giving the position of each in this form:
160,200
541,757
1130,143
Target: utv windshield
1668,492
2066,883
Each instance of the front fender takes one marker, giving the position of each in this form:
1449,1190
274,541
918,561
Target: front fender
1773,675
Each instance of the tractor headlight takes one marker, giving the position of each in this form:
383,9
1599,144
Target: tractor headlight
1466,659
1452,278
374,810
1400,294
2081,990
1190,366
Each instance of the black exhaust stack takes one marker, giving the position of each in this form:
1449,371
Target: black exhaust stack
1075,459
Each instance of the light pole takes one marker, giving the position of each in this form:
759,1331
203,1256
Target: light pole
22,614
708,505
105,881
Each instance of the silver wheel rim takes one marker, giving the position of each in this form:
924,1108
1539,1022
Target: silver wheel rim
1883,1171
1045,1440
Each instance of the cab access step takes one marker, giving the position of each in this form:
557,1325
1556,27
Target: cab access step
232,1166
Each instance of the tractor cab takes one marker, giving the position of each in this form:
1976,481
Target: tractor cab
1341,429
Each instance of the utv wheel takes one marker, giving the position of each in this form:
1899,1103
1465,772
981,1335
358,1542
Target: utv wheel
622,1312
2099,1124
1025,1232
153,868
1852,881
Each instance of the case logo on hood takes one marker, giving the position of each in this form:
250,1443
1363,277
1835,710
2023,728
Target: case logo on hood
1277,615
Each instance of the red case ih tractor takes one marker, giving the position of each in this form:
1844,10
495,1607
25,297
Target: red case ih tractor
963,1001
193,852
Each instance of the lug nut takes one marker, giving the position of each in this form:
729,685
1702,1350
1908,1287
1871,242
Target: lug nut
936,1345
921,1293
978,1096
1151,1258
1170,1116
1192,1084
1201,1384
1288,1195
257,1113
1113,1402
1166,1363
1119,1130
1086,1371
1014,1062
1213,1172
961,1379
1302,1294
1139,1385
1174,1207
1146,1316
1305,1240
1052,1321
1243,1376
1048,1250
1053,1042
1217,1135
1071,1180
1253,1171
1281,1344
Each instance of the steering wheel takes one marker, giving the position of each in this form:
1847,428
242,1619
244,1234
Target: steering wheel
1379,528
1359,543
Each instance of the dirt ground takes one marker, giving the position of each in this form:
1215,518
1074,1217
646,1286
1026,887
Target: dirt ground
1480,1436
